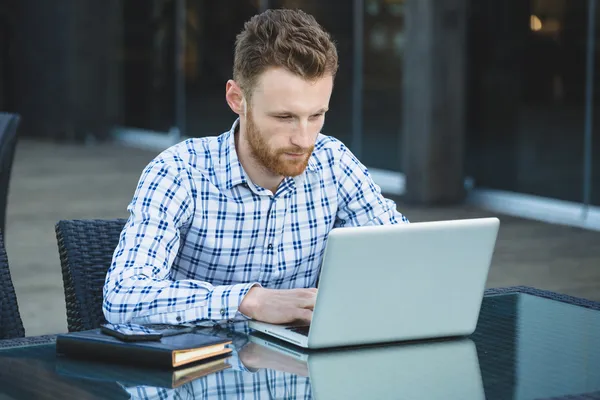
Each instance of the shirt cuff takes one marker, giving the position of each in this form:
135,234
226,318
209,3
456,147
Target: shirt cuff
225,301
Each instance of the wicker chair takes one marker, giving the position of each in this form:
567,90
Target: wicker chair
86,248
8,143
11,325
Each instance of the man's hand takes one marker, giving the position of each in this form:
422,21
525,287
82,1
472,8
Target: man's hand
279,306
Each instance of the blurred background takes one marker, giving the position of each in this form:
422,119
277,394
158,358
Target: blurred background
460,108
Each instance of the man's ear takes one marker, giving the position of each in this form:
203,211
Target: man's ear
235,98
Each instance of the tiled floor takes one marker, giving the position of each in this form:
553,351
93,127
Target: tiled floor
52,182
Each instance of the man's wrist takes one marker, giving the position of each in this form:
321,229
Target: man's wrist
249,304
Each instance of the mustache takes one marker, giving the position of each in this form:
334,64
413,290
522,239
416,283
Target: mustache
296,150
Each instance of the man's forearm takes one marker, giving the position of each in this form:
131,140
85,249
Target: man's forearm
141,299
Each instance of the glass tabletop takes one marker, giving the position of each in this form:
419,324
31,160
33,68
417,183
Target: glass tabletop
525,347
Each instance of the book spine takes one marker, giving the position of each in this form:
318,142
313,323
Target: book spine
124,353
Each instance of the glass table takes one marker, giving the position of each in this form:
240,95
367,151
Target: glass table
529,344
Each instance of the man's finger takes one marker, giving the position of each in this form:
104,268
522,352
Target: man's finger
308,292
308,302
304,314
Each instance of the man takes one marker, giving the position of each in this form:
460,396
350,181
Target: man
234,227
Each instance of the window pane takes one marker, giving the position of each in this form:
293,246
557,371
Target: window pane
526,110
148,64
382,92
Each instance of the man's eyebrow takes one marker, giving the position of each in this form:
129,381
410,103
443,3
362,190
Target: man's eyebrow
285,112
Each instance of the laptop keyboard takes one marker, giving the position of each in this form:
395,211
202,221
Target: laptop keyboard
302,330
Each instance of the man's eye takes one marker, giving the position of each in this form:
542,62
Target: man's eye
284,117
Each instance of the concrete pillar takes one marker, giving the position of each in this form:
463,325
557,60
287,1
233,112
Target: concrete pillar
434,91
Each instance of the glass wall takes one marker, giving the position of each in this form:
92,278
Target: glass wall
526,96
210,31
148,61
382,78
526,78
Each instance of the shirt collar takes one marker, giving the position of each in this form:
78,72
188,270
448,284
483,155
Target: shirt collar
232,167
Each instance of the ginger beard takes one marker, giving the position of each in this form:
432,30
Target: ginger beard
275,160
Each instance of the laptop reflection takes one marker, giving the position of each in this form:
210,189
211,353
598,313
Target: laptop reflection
447,369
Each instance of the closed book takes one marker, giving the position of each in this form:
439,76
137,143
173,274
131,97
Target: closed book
169,351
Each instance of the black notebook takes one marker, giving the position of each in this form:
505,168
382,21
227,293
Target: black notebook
169,351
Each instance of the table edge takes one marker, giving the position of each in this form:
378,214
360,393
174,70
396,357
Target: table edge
41,340
546,294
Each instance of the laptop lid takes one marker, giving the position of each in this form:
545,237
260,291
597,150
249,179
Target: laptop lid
402,282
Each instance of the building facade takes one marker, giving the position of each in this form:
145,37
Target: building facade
491,102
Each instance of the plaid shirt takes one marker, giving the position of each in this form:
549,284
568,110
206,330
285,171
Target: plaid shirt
201,233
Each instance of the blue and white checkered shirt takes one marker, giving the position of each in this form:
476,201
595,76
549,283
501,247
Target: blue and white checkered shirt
201,234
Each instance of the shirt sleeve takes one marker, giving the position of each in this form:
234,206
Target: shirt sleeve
360,202
138,287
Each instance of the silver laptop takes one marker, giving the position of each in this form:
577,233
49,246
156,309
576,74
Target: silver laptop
397,282
444,369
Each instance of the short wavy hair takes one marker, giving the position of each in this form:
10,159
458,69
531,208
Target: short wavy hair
291,39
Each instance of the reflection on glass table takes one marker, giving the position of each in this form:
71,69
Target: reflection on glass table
432,370
525,347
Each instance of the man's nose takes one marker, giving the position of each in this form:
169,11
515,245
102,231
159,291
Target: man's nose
302,137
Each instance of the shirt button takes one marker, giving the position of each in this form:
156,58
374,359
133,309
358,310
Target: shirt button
178,318
223,311
270,246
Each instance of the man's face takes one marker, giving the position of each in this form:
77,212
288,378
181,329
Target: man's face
284,119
